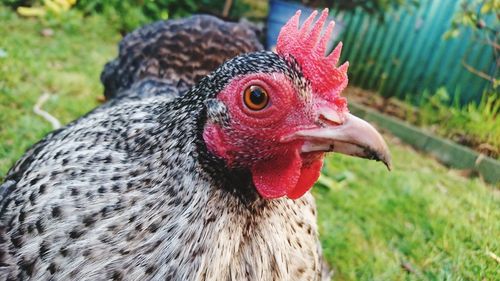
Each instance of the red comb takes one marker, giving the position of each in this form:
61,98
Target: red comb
307,47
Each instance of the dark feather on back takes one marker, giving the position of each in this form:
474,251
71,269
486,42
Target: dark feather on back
177,53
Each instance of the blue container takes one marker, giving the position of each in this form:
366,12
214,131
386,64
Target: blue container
281,11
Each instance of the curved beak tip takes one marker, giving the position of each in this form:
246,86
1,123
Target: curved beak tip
388,163
381,154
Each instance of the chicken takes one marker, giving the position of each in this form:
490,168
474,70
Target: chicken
211,185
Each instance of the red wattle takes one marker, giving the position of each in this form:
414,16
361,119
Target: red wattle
308,176
285,175
276,177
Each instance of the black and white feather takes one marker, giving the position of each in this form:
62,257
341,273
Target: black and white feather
130,192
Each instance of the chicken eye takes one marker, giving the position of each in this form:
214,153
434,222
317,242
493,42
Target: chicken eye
255,97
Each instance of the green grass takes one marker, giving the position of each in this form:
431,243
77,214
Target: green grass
440,225
421,214
67,65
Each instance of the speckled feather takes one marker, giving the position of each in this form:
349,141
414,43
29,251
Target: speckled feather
130,192
179,52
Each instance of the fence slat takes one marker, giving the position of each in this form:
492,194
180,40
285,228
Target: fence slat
407,54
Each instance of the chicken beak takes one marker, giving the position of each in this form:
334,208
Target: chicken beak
348,135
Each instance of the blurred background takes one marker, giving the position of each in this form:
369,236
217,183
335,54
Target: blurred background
425,72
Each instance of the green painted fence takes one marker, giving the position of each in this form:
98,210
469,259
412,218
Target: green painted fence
406,54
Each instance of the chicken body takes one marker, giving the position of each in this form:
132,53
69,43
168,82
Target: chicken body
130,192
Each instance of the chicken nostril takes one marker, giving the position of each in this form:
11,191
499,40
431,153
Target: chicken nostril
325,121
327,116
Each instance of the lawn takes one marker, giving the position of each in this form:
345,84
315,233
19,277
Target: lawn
66,65
419,222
